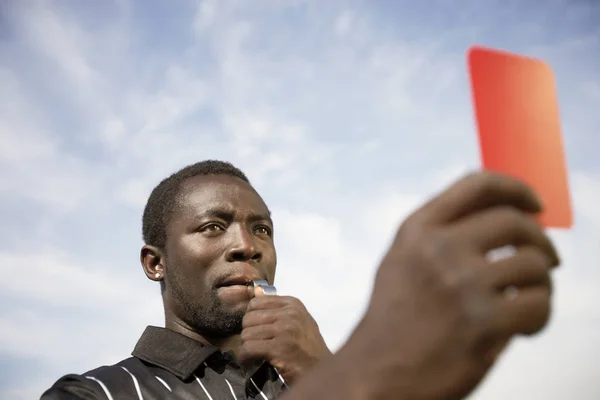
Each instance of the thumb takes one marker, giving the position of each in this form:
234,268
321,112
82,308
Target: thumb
258,291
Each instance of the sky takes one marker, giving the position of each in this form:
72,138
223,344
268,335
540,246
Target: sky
345,115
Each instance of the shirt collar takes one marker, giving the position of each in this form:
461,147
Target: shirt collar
172,351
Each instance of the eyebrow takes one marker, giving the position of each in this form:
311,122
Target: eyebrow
227,214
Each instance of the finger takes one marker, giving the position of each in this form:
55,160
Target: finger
259,291
527,313
504,226
261,317
477,192
528,267
268,302
258,332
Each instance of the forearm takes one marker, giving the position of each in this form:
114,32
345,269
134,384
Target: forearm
350,374
332,379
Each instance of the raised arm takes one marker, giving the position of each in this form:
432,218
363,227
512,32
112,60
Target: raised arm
441,310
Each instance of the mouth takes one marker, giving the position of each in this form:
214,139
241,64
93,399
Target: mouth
237,281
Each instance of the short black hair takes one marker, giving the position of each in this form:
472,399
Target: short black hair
164,196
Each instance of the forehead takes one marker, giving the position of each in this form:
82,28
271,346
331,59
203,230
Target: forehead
209,192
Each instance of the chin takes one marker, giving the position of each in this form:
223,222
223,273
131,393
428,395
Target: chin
224,323
238,308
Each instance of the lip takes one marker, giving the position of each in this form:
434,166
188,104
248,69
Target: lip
238,280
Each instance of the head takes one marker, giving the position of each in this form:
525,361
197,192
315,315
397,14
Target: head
206,231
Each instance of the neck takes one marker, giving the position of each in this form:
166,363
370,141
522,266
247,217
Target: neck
231,343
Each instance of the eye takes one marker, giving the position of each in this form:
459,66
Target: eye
263,230
212,228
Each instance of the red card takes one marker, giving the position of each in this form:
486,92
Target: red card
516,108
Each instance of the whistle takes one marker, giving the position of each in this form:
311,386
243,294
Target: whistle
268,290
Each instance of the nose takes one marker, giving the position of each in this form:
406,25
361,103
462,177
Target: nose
243,248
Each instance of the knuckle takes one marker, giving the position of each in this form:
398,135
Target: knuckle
474,177
437,245
476,313
453,288
413,229
485,182
287,327
409,229
291,312
489,183
295,304
479,176
438,255
462,282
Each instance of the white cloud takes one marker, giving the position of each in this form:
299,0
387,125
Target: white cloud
343,23
344,121
56,284
206,14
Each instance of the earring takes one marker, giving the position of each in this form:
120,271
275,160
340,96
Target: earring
157,275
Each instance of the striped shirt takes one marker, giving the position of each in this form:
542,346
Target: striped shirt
168,365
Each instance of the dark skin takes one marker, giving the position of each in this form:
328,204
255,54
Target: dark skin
220,235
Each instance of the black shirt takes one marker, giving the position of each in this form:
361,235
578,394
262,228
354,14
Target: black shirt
168,365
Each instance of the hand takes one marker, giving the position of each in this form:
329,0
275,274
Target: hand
280,330
439,316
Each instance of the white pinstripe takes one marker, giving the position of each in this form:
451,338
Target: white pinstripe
163,382
135,383
230,388
261,393
228,384
282,380
103,386
203,388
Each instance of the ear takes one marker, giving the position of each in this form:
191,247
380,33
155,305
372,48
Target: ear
152,259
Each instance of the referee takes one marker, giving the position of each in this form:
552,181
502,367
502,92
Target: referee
440,314
207,234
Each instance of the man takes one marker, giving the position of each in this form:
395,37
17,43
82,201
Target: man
208,233
441,311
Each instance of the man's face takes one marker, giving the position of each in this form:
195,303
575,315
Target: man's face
219,237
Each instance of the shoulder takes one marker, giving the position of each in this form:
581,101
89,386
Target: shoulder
101,383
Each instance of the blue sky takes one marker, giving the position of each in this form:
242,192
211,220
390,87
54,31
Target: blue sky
344,114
